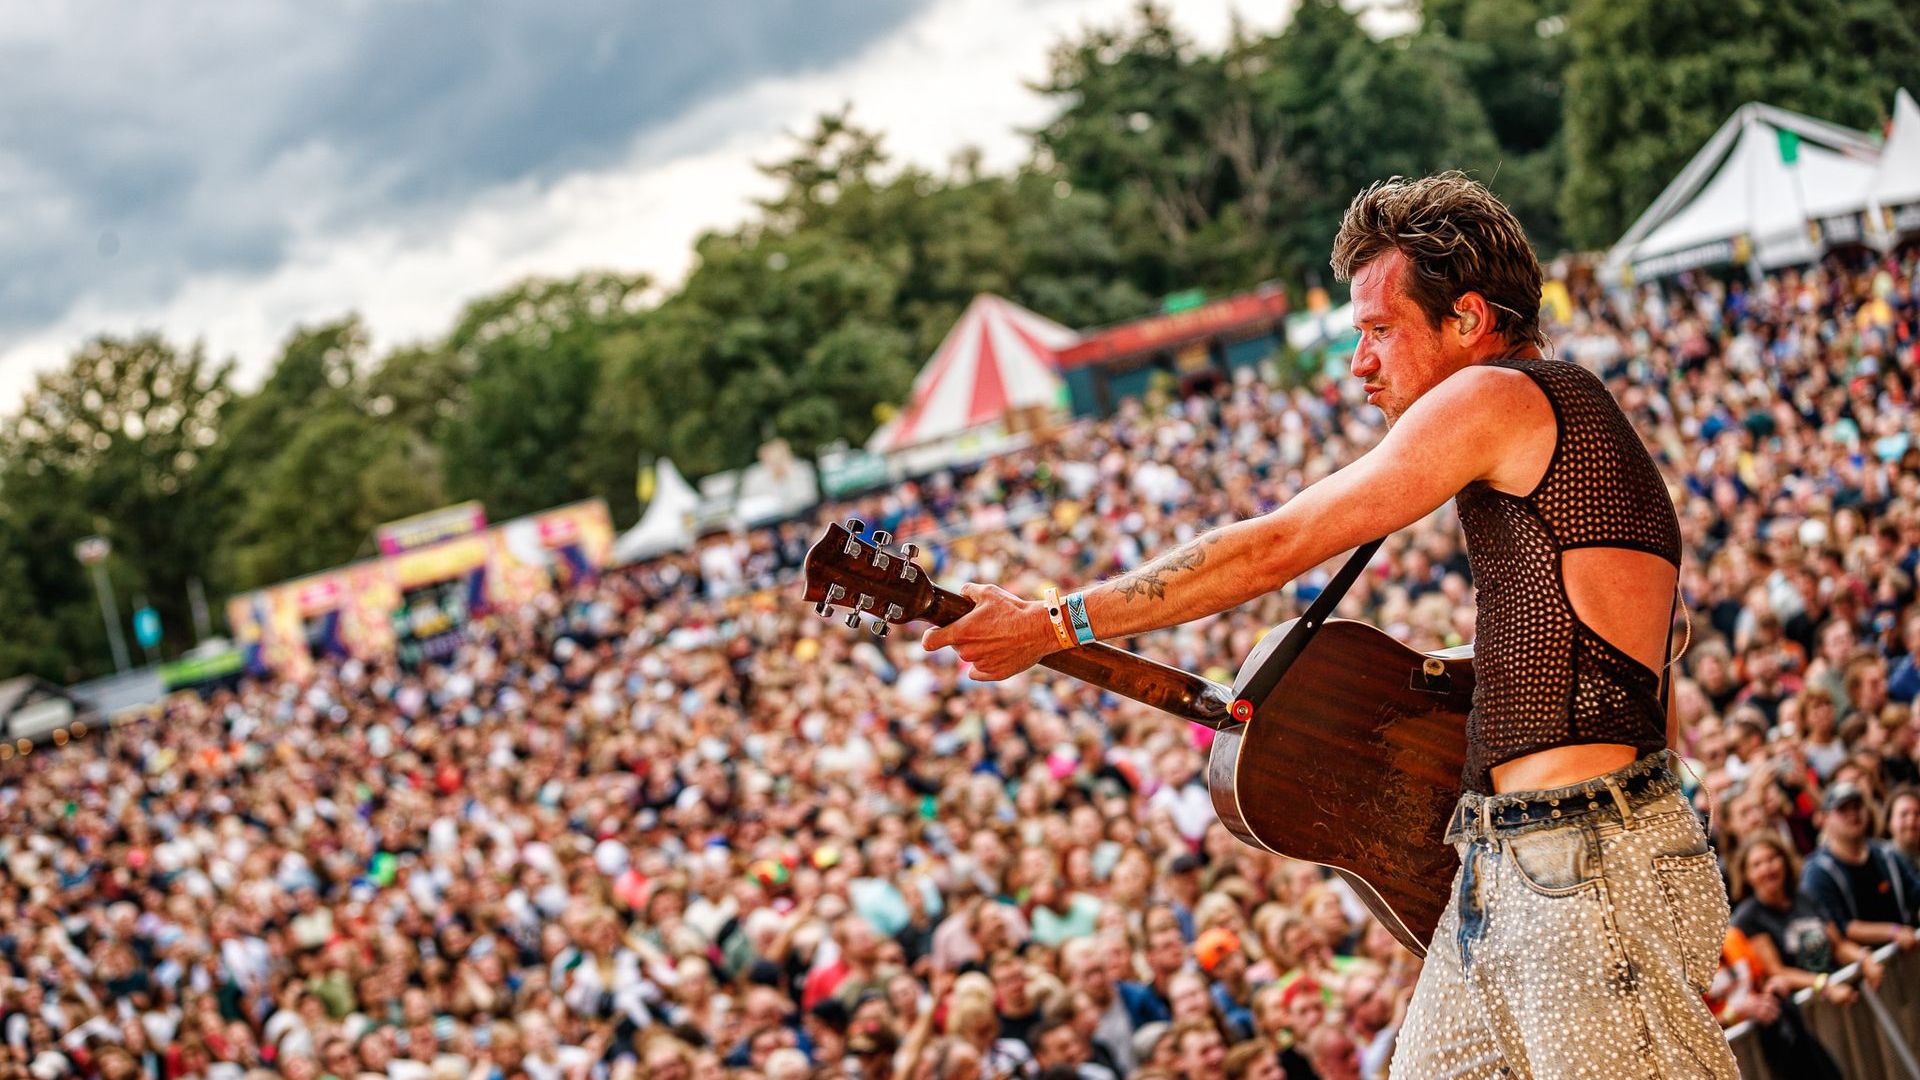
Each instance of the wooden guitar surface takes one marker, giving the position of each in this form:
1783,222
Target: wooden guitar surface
1354,762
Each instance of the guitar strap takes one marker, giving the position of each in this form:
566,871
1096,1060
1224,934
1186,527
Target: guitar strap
1672,610
1261,684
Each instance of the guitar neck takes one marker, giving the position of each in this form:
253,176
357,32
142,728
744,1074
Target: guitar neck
1149,682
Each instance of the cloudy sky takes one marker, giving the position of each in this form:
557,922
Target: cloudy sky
226,171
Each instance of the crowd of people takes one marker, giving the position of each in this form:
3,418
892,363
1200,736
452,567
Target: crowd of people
668,824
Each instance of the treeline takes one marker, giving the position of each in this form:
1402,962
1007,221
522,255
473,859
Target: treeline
1165,167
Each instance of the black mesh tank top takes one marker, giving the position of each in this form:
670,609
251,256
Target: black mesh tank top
1542,678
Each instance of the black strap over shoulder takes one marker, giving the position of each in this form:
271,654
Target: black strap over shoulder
1261,684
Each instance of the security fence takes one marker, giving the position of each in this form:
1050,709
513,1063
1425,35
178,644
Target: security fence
1873,1038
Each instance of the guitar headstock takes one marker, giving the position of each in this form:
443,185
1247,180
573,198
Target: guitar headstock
863,577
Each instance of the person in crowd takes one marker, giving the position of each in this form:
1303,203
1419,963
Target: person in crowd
1198,1048
1251,1060
1777,946
664,823
1860,884
1799,946
1903,822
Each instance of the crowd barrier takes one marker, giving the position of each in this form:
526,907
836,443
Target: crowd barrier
1872,1038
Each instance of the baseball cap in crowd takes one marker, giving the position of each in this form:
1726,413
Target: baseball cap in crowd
1214,946
1297,988
1841,794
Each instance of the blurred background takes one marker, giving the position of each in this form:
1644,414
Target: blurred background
413,417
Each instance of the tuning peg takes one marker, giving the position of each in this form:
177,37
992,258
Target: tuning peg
879,628
823,609
882,537
853,620
910,551
856,526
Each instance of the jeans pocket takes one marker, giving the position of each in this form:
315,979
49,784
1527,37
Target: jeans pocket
1554,862
1697,904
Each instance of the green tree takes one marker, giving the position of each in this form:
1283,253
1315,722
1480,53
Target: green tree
317,501
532,358
318,369
1357,110
419,388
116,444
1226,170
786,337
1513,55
1650,82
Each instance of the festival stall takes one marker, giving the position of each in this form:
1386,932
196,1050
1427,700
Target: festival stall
434,573
1191,345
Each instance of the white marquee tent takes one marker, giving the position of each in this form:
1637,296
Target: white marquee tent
1895,192
667,524
1740,196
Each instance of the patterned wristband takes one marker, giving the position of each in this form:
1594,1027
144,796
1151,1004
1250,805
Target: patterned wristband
1077,617
1052,599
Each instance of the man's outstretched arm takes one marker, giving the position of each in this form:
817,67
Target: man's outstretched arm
1452,436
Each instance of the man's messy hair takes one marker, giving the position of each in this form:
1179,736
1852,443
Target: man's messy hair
1457,238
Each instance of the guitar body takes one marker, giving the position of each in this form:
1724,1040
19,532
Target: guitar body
1354,762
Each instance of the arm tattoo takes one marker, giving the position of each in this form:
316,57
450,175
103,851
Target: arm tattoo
1150,580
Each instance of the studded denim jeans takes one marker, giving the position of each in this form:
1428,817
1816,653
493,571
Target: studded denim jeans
1577,942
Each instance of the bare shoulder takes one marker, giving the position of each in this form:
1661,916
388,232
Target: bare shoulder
1482,389
1483,400
1497,417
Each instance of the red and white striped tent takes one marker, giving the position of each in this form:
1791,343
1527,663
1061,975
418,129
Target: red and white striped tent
999,356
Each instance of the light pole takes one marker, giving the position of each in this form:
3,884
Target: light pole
92,553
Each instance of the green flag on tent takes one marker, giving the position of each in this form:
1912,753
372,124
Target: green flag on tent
1789,146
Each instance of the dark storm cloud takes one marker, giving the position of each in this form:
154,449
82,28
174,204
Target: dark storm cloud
141,143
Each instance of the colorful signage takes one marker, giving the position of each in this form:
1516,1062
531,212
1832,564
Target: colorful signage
354,610
425,530
1168,332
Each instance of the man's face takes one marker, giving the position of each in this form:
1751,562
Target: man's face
1905,821
1400,356
1010,976
1166,952
1089,973
1333,1055
1060,1046
1305,1012
1189,998
1849,820
1201,1053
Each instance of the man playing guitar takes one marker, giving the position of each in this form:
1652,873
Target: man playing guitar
1588,911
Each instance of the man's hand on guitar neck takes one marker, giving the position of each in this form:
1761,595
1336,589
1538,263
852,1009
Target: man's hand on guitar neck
1001,637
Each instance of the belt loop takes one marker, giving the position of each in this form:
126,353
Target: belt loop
1486,823
1619,798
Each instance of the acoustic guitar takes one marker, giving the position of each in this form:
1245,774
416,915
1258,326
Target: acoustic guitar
1353,759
